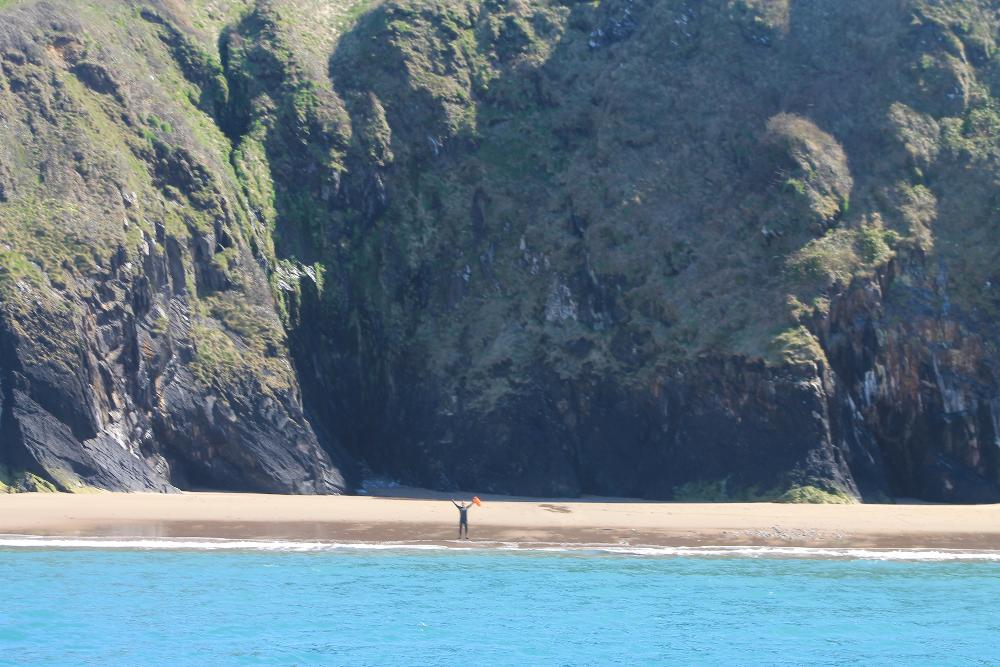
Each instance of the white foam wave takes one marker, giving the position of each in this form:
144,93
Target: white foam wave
296,546
810,552
193,544
647,551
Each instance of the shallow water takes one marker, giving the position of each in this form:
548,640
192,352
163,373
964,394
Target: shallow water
212,606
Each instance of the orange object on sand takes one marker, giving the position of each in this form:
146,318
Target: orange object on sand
477,501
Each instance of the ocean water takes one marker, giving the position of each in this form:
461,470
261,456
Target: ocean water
215,603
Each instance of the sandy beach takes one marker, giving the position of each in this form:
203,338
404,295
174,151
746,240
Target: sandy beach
425,517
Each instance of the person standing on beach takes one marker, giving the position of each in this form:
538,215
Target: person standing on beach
463,517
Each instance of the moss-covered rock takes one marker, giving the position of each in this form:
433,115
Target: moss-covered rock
535,247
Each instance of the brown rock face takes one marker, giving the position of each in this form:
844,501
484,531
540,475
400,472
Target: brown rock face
921,379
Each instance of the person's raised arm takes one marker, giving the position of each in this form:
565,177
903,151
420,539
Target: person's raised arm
455,504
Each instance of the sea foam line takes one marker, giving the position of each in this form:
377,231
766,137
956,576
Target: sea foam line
193,544
648,551
823,553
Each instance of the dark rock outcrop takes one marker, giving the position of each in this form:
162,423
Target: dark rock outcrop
113,405
921,382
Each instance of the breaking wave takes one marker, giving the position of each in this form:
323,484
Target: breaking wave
645,551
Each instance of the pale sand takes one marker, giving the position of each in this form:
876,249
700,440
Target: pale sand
432,519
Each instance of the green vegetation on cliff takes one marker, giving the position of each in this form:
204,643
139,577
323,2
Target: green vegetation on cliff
576,234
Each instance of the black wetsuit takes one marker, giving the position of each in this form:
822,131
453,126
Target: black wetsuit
463,520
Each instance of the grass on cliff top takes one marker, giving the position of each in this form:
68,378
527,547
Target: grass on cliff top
212,16
314,28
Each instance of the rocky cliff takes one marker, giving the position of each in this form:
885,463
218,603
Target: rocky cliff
730,249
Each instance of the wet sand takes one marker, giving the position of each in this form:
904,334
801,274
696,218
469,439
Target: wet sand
426,517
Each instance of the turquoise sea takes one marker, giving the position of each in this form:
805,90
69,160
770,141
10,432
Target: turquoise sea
274,604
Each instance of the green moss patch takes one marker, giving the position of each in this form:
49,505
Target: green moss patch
721,491
21,481
815,496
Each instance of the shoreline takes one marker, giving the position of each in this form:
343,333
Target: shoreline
426,519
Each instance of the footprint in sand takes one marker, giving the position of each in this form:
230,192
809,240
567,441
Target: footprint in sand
562,509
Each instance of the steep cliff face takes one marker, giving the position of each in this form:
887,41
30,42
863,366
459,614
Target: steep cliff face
141,349
667,249
725,249
920,380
